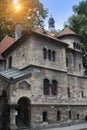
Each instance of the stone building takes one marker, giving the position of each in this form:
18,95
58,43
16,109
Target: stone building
42,83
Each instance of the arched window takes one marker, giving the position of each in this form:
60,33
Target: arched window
67,62
82,93
49,55
45,53
54,87
79,66
77,46
44,116
74,45
53,56
70,116
68,92
10,62
46,85
58,116
77,116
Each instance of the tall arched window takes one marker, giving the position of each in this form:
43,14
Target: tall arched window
70,116
68,92
58,116
74,45
46,85
67,62
44,116
45,53
77,116
53,56
49,55
10,62
54,87
82,93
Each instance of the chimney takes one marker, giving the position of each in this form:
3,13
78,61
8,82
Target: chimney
18,31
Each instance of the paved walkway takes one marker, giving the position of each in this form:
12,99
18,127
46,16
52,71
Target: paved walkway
72,127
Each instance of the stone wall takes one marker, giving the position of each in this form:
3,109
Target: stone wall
70,39
2,65
30,52
38,76
75,62
35,93
37,115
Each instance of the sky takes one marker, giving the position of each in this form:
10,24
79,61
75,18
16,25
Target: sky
60,10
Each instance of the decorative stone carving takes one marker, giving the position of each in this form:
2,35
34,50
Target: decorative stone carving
24,85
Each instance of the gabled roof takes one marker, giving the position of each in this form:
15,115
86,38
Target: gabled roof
67,31
5,44
46,35
36,32
13,75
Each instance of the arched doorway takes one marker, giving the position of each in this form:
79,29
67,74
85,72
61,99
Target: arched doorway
23,116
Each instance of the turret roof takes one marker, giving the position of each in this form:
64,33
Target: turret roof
67,31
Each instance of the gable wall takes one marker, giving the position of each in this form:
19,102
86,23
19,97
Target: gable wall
31,52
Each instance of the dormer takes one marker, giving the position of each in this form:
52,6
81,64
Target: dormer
70,37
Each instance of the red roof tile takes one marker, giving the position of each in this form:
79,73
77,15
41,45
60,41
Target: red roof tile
5,44
67,31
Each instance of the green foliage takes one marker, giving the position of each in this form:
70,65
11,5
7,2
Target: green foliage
78,23
31,13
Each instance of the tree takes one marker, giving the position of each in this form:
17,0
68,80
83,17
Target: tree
78,23
27,12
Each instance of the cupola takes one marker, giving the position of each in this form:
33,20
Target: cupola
51,27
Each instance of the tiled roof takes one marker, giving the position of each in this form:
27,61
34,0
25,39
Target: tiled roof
38,32
5,44
49,35
67,31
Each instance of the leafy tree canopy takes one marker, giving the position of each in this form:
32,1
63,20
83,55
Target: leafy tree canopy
78,23
27,12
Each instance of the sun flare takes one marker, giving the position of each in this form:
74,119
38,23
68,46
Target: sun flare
17,7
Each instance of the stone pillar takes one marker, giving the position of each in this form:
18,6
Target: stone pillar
12,118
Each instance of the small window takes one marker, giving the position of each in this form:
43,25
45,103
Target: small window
46,85
54,87
10,62
79,66
44,116
68,92
4,93
77,46
77,116
70,115
82,94
74,45
53,56
45,53
49,55
67,62
58,116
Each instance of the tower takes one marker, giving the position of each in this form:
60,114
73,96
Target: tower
51,27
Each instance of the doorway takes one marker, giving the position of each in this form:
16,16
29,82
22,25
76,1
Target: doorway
23,116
